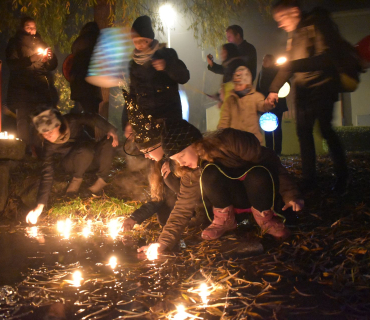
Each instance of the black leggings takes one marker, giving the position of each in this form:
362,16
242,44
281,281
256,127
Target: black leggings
256,190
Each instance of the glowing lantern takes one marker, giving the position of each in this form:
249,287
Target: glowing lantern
110,57
269,122
284,90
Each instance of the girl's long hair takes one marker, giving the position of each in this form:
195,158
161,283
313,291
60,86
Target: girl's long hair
156,181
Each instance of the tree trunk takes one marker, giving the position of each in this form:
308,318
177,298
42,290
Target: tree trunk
102,11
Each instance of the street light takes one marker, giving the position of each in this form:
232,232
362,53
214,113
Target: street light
167,15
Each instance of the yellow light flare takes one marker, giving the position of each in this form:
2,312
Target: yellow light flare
281,61
113,228
113,262
152,252
77,278
204,293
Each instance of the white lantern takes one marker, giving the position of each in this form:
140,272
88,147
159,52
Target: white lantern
269,122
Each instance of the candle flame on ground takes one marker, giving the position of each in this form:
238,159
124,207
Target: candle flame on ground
86,231
113,262
64,227
4,135
113,228
204,293
77,278
152,252
182,314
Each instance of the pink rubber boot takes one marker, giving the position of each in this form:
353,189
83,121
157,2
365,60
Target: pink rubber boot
271,224
224,220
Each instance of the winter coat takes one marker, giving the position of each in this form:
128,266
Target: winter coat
227,68
29,81
242,150
310,58
82,49
264,80
157,92
242,113
76,123
171,188
249,53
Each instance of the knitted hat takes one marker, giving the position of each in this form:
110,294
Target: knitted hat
242,75
142,27
178,135
46,121
147,130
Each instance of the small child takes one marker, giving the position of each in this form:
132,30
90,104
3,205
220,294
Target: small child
241,109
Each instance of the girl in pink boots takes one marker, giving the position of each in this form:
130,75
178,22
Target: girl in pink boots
230,170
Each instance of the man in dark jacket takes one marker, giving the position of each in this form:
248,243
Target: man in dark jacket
64,137
30,82
267,74
84,93
311,52
247,51
155,74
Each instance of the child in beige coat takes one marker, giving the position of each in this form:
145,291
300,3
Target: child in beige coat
241,109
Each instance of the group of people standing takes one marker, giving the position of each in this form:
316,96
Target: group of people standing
227,172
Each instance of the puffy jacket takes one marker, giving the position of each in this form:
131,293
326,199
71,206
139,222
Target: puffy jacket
241,149
29,81
157,92
75,123
243,113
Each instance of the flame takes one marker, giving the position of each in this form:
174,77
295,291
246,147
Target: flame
64,227
152,252
281,61
42,51
86,231
113,262
113,228
6,136
77,278
204,293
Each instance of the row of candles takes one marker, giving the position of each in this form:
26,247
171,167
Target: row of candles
6,136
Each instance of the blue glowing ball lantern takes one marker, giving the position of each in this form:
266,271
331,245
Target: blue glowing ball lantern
269,122
109,61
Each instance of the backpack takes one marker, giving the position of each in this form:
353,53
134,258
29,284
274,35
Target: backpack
345,56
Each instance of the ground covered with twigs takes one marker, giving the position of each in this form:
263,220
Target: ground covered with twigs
322,272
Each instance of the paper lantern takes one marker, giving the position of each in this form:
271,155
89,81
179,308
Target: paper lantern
110,58
269,122
284,90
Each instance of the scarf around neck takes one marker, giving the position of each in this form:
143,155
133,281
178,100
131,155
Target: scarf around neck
142,57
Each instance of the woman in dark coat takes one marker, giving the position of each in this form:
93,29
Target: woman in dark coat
30,82
231,170
86,94
155,74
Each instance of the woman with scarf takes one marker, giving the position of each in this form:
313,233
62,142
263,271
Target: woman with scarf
230,170
155,74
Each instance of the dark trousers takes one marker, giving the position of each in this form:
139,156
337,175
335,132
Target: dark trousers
308,110
255,190
87,105
92,156
274,139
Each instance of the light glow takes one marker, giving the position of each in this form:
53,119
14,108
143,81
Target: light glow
42,51
113,262
113,228
64,228
269,122
204,293
167,15
6,136
281,61
86,231
152,252
284,90
77,278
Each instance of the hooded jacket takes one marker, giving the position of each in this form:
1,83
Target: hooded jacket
243,113
29,81
242,150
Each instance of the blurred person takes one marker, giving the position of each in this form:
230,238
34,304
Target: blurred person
64,136
229,169
31,82
267,74
312,51
155,75
246,51
242,109
87,96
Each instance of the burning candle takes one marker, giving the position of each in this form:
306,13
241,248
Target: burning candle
77,278
281,61
6,136
86,231
113,228
113,262
204,293
152,252
64,227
